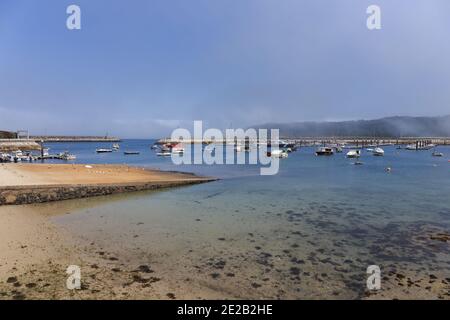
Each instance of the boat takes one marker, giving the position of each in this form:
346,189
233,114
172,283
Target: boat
279,153
131,152
378,152
67,156
101,150
354,154
416,146
116,146
437,154
45,152
324,151
338,149
5,157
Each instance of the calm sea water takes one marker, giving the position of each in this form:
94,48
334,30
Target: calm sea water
308,232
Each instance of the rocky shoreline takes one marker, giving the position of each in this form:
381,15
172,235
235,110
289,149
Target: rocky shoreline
19,195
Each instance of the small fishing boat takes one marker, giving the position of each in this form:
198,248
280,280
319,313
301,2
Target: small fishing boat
131,153
419,147
278,153
324,151
67,156
437,154
354,154
116,146
101,150
378,152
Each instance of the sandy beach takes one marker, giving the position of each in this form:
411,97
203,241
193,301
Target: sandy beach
71,174
38,183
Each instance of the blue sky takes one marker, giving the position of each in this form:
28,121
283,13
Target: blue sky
141,68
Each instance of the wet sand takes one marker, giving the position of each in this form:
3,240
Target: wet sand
35,254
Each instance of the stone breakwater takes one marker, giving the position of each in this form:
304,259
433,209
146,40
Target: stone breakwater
8,145
18,195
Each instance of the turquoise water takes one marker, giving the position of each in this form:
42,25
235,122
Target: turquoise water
308,232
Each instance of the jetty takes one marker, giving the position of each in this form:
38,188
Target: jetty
75,139
36,183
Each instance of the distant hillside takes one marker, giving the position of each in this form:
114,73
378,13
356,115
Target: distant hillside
385,127
7,135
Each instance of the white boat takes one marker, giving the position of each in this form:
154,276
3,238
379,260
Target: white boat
101,150
116,146
437,154
420,147
324,151
279,153
354,154
5,157
378,152
67,156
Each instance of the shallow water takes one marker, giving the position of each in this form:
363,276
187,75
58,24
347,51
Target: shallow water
308,232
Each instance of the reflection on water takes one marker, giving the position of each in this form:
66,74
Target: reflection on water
309,232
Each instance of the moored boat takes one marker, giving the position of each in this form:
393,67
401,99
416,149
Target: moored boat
378,152
354,154
102,150
67,156
279,153
324,151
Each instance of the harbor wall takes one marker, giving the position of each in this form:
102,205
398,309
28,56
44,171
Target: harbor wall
322,140
19,195
7,145
74,139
